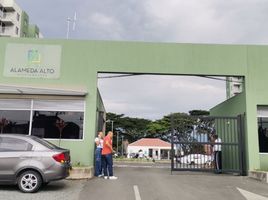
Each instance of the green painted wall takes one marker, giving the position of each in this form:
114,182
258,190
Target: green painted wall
100,104
100,109
85,59
256,85
264,161
231,107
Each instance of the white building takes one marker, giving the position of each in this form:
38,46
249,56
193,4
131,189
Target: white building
151,147
234,86
10,18
14,22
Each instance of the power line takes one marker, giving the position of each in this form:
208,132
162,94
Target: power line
128,75
118,76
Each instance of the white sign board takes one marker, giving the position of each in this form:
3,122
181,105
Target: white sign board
32,61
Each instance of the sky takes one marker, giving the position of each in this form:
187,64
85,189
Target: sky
152,97
179,21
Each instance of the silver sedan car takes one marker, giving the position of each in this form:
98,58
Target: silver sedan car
31,162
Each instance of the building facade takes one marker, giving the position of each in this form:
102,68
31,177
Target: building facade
234,86
14,22
49,87
151,148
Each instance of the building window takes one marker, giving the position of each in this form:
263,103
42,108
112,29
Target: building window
18,17
263,134
51,119
56,124
15,116
3,28
17,31
1,13
262,112
15,121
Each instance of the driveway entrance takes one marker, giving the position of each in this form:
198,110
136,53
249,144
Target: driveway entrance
159,184
148,184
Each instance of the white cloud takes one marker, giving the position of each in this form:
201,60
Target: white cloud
209,21
104,24
198,21
186,21
154,96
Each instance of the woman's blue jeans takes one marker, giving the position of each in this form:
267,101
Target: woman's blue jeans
98,167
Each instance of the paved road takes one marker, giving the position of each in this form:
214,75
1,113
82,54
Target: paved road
159,184
147,184
60,190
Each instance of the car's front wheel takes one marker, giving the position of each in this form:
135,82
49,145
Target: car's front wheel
29,181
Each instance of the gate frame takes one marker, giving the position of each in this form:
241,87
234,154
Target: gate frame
241,145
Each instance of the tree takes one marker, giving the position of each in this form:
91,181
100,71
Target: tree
186,130
131,128
187,127
162,128
199,112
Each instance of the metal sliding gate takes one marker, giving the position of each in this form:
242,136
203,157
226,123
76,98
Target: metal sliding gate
192,144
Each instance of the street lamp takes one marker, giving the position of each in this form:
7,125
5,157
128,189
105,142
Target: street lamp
122,145
111,121
117,134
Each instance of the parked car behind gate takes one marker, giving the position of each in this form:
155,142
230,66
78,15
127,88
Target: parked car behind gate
30,162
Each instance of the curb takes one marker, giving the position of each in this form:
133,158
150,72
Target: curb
259,175
79,173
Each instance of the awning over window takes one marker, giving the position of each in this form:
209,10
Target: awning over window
7,89
262,111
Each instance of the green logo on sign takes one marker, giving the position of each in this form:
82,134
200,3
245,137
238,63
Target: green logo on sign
34,57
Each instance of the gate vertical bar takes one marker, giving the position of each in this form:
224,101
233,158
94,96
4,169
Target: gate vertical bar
241,130
244,168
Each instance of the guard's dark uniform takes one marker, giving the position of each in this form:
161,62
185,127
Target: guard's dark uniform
217,156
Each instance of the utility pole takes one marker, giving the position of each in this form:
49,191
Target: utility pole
122,147
69,20
112,129
68,27
117,136
112,122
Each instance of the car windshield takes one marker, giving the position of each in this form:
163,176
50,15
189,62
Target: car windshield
45,143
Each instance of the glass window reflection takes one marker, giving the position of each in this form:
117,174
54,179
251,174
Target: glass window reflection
57,124
14,121
263,134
